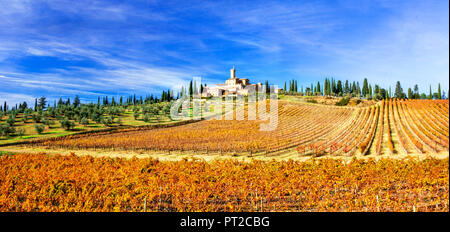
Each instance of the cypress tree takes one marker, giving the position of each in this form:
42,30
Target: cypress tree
377,89
76,101
365,89
398,90
439,91
354,88
339,88
358,89
333,86
410,93
430,96
195,87
416,92
329,87
318,87
346,88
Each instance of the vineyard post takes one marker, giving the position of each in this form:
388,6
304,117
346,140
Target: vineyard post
159,204
378,204
145,204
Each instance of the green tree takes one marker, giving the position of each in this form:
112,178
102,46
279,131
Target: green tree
410,94
76,101
84,121
191,89
346,87
339,88
146,117
399,91
318,88
430,96
39,128
365,89
266,85
67,124
21,132
42,103
354,90
439,94
416,92
107,121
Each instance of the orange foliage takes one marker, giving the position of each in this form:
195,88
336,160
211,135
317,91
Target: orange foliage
38,182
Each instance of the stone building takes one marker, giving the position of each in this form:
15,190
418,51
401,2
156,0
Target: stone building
233,86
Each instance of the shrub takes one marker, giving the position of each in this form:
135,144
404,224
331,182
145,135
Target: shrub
107,121
146,117
84,121
36,118
11,119
47,122
39,128
20,132
67,124
6,129
343,102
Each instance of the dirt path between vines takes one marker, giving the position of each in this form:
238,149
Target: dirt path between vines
176,156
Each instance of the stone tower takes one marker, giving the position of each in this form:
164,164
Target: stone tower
232,73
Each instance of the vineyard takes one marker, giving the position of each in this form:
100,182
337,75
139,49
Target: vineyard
38,182
389,127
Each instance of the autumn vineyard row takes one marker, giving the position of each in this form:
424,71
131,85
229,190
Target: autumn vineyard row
389,127
40,182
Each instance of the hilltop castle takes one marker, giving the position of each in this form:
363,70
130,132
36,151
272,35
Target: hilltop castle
234,86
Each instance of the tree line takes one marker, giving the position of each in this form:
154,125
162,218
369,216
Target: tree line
332,87
106,111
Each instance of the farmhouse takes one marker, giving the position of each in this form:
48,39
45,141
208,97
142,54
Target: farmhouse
234,86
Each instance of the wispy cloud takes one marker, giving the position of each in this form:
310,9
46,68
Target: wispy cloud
63,48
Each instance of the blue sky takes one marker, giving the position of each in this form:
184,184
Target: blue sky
91,48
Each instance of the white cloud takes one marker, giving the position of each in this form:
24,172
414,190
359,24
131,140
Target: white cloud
13,98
